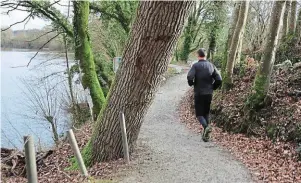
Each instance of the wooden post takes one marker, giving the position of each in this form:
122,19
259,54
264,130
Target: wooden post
30,159
124,139
76,151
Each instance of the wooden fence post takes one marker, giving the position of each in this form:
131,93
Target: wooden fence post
77,153
124,139
30,159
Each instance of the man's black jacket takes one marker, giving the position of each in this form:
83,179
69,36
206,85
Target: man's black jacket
205,77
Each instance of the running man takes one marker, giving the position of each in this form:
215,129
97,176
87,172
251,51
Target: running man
205,78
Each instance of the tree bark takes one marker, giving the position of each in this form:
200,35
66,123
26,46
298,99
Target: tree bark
239,47
230,35
219,17
298,28
190,33
228,81
293,17
262,80
185,50
285,19
156,29
83,53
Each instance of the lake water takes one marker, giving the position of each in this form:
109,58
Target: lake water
20,115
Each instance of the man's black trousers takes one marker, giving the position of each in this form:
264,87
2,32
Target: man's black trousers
202,105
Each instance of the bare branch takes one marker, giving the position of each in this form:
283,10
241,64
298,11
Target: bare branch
41,35
29,16
13,8
55,2
42,48
26,23
14,67
52,74
63,5
5,136
56,56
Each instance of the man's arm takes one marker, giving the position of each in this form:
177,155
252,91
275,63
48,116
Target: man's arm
191,75
217,79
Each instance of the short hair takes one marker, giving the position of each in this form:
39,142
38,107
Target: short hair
201,52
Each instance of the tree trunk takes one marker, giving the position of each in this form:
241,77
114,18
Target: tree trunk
185,50
83,53
54,132
298,28
212,43
52,122
239,47
293,17
285,19
228,81
146,57
219,17
262,80
230,35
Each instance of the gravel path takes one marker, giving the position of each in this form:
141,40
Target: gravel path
174,154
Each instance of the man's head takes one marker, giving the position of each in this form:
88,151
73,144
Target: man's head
201,54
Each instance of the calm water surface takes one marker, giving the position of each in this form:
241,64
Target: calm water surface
18,118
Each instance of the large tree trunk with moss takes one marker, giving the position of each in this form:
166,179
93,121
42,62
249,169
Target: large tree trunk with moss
285,19
243,12
230,35
145,60
262,80
83,53
293,17
218,22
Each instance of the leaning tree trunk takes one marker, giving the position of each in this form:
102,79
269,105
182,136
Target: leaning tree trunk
145,59
285,19
228,81
262,80
83,53
230,35
293,17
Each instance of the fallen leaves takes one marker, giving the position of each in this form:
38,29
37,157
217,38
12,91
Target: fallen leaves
268,160
54,166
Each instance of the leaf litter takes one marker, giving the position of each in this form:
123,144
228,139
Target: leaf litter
270,158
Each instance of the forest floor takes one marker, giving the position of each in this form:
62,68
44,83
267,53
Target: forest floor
270,155
172,153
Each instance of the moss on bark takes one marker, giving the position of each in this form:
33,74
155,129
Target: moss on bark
240,25
227,82
83,53
259,92
185,50
86,155
256,100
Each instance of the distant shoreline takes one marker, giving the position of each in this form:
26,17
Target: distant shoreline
33,50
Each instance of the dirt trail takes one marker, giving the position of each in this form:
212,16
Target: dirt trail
176,155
